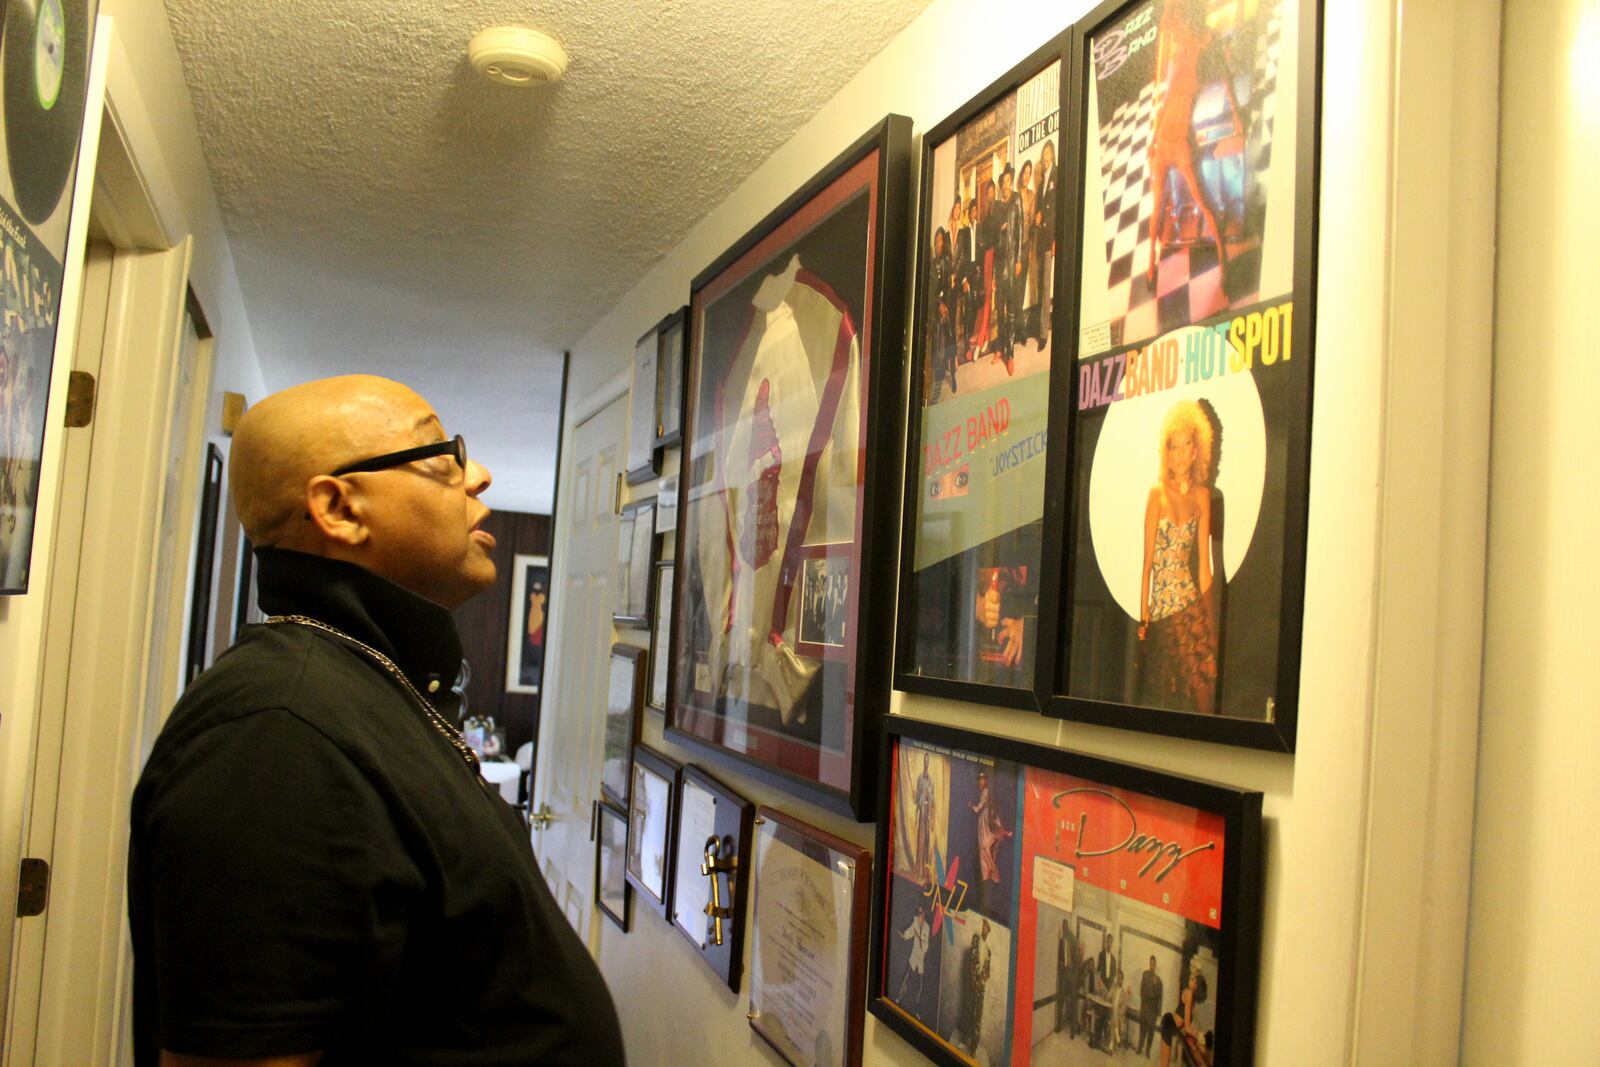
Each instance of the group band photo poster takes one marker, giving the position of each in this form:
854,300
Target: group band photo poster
1188,465
790,464
1043,909
44,78
983,331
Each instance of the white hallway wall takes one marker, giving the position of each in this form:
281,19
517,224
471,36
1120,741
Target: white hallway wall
1368,826
1534,945
148,98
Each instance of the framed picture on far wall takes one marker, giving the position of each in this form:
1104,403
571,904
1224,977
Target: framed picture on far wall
644,458
992,248
1039,907
1185,467
791,442
530,593
672,334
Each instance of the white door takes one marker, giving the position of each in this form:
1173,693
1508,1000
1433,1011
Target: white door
572,719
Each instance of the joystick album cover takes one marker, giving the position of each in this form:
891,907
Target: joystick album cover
44,71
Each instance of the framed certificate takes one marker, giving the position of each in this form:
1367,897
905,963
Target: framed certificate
808,954
644,458
611,890
1040,906
650,815
791,442
624,695
672,335
661,641
637,550
711,861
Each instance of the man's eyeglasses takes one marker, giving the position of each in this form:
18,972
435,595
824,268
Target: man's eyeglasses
455,448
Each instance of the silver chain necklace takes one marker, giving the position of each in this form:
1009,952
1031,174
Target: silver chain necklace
439,722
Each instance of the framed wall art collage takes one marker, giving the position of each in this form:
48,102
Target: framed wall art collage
1095,424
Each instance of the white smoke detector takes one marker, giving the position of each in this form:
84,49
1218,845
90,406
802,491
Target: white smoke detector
516,55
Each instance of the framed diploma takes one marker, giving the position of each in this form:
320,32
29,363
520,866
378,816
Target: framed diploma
661,640
671,335
637,549
993,235
610,855
650,810
808,953
1037,906
644,458
711,861
667,505
791,443
1183,455
624,694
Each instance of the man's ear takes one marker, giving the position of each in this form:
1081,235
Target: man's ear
336,508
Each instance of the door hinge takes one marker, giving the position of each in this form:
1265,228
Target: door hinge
80,399
33,888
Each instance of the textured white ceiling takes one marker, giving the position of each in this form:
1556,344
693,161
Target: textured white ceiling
390,212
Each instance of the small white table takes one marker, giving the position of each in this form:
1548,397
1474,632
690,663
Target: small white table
504,775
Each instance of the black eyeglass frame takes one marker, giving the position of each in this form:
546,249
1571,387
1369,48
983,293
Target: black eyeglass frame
456,448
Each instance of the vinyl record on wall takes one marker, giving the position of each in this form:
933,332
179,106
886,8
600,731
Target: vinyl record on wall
45,45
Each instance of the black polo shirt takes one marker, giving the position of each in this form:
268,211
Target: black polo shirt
314,866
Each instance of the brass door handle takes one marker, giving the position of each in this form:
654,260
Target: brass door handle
542,818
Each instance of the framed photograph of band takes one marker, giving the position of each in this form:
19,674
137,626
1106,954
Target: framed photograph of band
44,99
672,349
808,956
644,458
610,857
1183,478
792,444
637,551
711,871
624,695
992,223
661,641
1040,908
654,784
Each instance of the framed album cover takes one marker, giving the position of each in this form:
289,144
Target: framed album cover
1185,470
624,695
808,953
654,780
661,641
611,891
1040,907
993,225
711,865
530,592
44,60
792,441
644,458
672,349
637,550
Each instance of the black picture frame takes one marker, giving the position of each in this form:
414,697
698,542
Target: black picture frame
1058,800
623,714
933,463
767,742
732,817
672,334
205,565
611,844
644,414
632,570
1254,610
650,766
661,664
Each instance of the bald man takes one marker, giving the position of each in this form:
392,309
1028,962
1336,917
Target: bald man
318,874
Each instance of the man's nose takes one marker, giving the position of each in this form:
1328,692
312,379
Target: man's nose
478,477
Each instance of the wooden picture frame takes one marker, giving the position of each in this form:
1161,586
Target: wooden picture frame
672,334
653,787
972,567
624,697
1194,628
998,851
709,902
660,689
832,256
611,889
644,457
638,548
800,935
